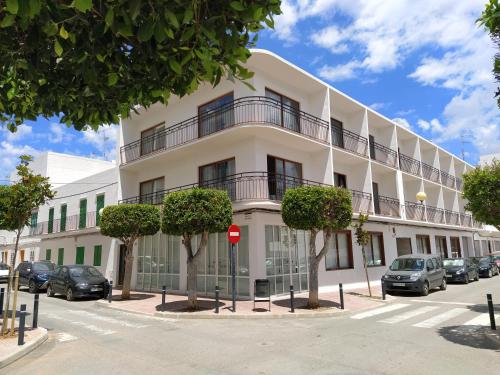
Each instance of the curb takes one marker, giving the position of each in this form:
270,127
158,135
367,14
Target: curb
492,336
26,348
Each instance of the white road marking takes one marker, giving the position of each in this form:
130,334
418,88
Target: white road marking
442,302
90,327
64,337
107,319
435,320
409,314
481,320
379,311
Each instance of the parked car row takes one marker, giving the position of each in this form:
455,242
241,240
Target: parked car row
420,273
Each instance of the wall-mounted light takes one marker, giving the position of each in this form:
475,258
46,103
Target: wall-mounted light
421,196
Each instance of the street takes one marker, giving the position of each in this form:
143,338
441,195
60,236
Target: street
437,334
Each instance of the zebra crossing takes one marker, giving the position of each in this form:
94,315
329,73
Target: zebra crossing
427,316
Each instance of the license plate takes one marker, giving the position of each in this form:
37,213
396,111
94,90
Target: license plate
449,276
398,284
96,289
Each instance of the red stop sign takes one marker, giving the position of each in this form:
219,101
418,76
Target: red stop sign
233,234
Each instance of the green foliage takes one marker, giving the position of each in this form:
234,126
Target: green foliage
482,192
92,61
490,18
317,207
195,211
130,221
361,234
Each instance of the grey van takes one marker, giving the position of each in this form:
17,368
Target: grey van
415,273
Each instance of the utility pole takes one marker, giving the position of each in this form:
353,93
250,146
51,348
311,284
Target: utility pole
463,141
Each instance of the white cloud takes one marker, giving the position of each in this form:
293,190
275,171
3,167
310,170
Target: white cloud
59,133
403,122
378,106
23,131
104,140
9,156
339,72
331,38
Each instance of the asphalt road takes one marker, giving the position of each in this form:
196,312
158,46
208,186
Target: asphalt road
437,334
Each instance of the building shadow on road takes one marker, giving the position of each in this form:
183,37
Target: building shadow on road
183,306
472,336
483,308
300,303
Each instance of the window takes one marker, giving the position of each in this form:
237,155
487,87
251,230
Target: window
216,115
151,192
217,176
60,256
375,250
455,247
282,174
337,133
32,255
376,200
430,265
423,244
51,220
286,111
34,219
82,222
99,203
441,246
80,255
371,141
64,210
97,255
340,180
153,139
48,253
339,255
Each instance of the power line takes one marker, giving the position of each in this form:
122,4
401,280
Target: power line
83,192
69,183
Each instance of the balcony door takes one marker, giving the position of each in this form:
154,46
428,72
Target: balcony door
153,139
219,175
340,180
151,192
282,174
371,141
216,115
286,112
337,133
376,200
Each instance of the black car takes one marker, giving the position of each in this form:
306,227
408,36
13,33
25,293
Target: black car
34,275
77,281
460,270
487,267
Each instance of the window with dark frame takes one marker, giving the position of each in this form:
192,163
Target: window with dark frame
286,113
216,115
153,139
423,244
375,255
340,180
441,246
151,191
282,174
337,132
456,251
219,175
339,256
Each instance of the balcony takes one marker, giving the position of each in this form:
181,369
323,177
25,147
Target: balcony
247,110
408,164
459,183
452,217
415,211
383,154
350,141
435,215
447,180
69,224
387,206
430,173
466,220
253,186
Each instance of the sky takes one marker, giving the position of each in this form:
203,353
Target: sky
425,64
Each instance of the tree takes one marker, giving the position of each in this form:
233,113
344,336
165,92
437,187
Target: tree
490,18
128,223
482,192
362,239
317,208
196,212
94,60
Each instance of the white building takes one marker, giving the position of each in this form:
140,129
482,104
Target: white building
292,130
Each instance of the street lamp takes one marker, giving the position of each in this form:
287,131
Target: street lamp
421,196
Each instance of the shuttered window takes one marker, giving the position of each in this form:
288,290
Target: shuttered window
60,256
97,255
64,210
48,254
82,223
80,255
98,205
51,220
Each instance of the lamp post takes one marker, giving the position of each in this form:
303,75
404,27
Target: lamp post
421,197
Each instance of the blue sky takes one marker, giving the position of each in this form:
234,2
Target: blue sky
424,63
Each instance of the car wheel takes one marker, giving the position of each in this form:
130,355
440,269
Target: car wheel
32,286
425,289
69,295
50,292
443,284
490,274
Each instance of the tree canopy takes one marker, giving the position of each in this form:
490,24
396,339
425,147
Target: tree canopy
482,192
91,61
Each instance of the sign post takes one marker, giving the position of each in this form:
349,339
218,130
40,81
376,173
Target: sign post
233,235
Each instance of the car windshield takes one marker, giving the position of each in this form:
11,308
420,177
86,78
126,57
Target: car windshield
453,262
3,266
407,264
84,271
43,267
484,261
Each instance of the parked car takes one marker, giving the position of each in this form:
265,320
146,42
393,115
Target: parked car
4,273
460,269
34,274
415,273
76,281
487,267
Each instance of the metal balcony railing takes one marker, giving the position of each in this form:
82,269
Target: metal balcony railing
247,110
452,217
435,215
466,220
68,224
350,141
447,179
387,206
415,211
430,173
459,183
408,164
253,186
383,154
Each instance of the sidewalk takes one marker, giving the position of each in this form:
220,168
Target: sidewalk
10,351
176,305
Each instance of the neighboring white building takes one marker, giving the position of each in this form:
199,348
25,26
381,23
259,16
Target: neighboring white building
293,129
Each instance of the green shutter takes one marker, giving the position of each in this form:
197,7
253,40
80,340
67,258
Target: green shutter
97,255
64,209
48,254
83,214
60,256
99,204
34,219
80,255
51,220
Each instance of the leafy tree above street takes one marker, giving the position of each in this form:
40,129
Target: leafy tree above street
91,61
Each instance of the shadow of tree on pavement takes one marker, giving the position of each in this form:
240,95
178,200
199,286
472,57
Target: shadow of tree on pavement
472,336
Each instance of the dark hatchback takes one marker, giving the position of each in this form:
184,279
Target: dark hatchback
34,275
486,266
77,281
460,270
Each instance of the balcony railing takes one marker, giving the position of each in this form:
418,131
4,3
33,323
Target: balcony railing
459,183
247,110
350,141
447,179
452,217
254,186
409,164
430,173
387,206
383,154
415,211
68,224
466,220
435,215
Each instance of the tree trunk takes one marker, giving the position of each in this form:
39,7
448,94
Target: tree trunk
191,273
313,302
11,282
366,270
127,276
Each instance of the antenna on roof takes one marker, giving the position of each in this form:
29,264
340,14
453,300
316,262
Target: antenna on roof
467,134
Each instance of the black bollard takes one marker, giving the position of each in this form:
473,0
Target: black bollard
110,294
216,299
292,300
341,292
383,290
163,293
491,311
34,323
2,291
22,323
